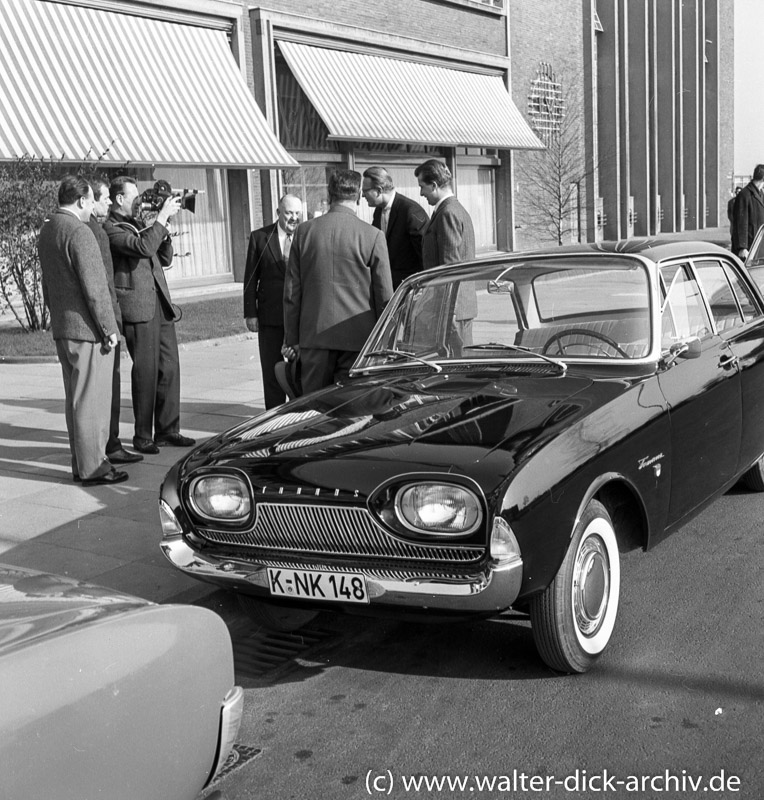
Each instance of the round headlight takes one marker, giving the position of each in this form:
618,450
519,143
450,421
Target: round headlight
223,497
438,508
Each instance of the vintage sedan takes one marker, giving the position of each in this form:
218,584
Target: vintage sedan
509,428
105,695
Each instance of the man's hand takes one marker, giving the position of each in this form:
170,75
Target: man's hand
290,352
251,323
170,208
743,254
111,341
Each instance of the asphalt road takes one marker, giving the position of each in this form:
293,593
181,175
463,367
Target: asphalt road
677,701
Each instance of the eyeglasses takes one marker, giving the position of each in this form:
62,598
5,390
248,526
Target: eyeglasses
369,190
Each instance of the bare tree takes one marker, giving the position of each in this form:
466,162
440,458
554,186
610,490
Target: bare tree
552,203
28,193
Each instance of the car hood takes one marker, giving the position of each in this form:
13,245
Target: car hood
444,422
34,605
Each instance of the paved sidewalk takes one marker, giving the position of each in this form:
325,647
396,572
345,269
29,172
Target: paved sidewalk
104,534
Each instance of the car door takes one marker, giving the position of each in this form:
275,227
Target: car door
703,394
737,315
754,261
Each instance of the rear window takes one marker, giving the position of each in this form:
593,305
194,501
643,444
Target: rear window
585,291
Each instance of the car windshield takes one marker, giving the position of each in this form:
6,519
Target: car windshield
548,311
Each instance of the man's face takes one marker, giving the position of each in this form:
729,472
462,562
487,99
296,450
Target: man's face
85,206
430,191
373,195
101,203
127,204
290,211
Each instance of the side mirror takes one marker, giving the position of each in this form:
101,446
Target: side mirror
690,348
499,287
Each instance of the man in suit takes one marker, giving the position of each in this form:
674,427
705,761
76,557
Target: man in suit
148,318
84,328
337,283
115,452
748,213
448,237
399,218
267,257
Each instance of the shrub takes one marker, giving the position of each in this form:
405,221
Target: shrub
27,194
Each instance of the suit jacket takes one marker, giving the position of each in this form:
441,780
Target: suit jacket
138,257
337,282
264,277
404,236
74,280
448,238
103,244
748,217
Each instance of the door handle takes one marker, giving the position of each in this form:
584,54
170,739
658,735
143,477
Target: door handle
729,360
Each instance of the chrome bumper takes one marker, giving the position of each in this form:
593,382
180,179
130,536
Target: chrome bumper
492,589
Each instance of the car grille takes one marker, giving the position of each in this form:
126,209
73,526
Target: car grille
335,532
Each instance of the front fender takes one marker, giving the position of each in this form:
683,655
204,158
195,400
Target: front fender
625,441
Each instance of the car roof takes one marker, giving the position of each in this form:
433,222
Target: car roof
652,248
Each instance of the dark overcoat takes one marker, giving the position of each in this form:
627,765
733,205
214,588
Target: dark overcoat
337,282
404,236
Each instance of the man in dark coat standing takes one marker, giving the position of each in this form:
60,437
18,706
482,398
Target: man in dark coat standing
84,328
448,237
748,213
400,218
115,452
337,284
148,318
267,257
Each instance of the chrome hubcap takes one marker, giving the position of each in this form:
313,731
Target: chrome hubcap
591,585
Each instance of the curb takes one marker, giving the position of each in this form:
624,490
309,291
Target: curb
52,359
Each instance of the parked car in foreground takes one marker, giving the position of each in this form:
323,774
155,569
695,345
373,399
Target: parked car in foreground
509,428
104,695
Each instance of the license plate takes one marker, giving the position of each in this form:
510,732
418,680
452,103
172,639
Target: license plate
340,586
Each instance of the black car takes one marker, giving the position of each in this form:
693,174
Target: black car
510,426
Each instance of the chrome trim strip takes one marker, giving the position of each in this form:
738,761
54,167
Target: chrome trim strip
490,589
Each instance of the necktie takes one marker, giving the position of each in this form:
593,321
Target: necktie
287,246
385,218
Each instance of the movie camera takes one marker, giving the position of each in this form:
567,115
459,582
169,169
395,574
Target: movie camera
153,199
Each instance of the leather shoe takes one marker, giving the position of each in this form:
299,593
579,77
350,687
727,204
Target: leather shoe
145,446
123,456
113,476
174,439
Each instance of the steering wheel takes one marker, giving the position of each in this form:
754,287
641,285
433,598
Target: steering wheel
583,332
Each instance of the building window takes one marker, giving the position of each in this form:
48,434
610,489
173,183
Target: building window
546,106
300,126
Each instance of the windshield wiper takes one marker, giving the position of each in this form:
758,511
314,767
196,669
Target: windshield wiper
519,348
397,354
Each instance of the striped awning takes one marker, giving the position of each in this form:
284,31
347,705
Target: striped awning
372,98
176,98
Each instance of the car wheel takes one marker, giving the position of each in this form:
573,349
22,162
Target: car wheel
754,478
275,618
573,619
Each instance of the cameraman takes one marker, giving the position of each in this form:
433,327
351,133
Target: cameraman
139,255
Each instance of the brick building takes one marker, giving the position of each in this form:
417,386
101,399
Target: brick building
648,88
245,101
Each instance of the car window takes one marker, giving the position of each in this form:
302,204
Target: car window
721,298
684,314
558,294
491,312
748,304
